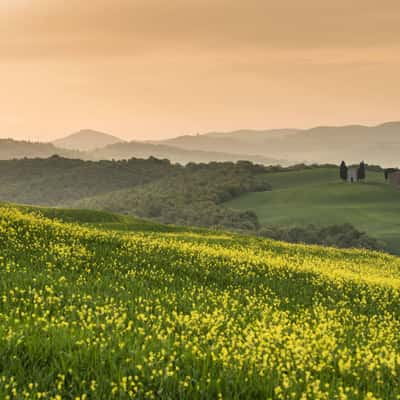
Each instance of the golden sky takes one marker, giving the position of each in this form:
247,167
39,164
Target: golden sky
146,69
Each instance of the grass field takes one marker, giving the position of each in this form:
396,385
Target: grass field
87,313
317,196
100,219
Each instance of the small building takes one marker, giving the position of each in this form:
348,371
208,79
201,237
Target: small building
352,174
394,177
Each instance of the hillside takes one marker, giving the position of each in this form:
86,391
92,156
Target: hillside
98,219
244,140
57,180
190,196
317,196
99,314
86,140
10,149
96,147
151,188
377,144
174,154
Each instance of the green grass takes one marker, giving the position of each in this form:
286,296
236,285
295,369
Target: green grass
100,219
87,313
317,196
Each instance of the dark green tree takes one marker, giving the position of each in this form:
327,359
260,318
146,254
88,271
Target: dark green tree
343,171
361,171
388,171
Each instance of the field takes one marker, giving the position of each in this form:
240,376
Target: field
87,313
100,219
317,196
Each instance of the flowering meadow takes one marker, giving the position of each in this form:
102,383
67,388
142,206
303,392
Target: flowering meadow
92,314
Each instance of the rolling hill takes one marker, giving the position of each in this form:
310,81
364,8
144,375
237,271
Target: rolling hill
197,195
89,313
56,180
188,196
152,188
10,149
244,140
317,196
174,154
378,144
99,219
86,140
13,149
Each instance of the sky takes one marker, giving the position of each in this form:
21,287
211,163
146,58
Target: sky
152,69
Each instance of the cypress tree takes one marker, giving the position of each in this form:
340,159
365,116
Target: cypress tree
361,171
343,171
388,171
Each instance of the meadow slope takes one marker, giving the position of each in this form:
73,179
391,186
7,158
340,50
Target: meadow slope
93,314
317,196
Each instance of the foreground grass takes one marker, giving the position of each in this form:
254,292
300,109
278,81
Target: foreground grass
86,313
99,219
317,196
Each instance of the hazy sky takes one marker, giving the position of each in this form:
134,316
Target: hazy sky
159,68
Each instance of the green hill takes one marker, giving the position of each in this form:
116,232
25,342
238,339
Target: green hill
151,188
317,196
190,196
99,219
56,180
95,314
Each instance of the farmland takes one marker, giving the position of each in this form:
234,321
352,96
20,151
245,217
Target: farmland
317,196
93,313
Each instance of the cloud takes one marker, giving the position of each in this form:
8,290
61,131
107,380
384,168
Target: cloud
124,27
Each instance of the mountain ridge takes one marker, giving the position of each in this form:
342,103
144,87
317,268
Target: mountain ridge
10,149
378,144
175,154
86,140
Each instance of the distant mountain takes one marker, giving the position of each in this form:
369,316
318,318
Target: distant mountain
86,140
378,144
254,135
239,141
10,149
174,154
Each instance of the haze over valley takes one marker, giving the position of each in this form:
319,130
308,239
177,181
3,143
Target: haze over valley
379,145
